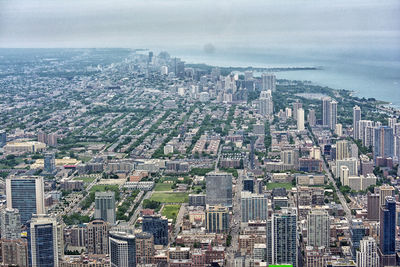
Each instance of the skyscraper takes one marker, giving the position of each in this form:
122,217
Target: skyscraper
26,195
122,249
43,243
318,229
10,224
268,81
357,232
329,113
300,119
385,191
368,255
105,206
266,105
283,243
383,142
158,227
3,138
387,233
356,119
217,219
49,163
97,232
254,207
342,150
373,206
144,248
311,118
219,189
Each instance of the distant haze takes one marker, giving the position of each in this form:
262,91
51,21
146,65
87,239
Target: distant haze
206,25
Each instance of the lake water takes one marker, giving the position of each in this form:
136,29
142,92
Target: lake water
368,72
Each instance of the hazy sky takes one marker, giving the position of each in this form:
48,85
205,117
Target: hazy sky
194,23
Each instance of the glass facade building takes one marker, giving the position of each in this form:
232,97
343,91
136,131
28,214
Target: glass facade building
158,227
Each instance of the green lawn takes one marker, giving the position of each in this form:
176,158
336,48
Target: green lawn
288,186
85,179
102,187
162,187
171,211
165,197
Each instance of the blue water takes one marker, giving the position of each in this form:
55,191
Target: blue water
366,71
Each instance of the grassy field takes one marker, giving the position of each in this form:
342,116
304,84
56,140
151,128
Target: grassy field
171,211
102,187
170,197
162,187
85,179
288,186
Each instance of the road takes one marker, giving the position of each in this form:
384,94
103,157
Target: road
178,222
136,214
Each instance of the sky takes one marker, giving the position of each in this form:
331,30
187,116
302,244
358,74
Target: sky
205,24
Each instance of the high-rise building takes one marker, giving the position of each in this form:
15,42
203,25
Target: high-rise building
3,138
368,254
43,243
219,189
49,163
97,237
268,81
339,129
342,150
300,119
158,227
392,122
357,232
318,229
290,157
144,248
266,105
10,224
105,206
283,244
217,219
329,113
122,249
350,163
296,105
254,207
383,142
248,185
387,233
373,206
312,120
385,191
14,252
356,119
27,195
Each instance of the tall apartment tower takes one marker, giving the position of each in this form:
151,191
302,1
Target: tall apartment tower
373,206
296,105
383,142
49,163
254,207
97,238
144,248
311,118
43,243
105,206
356,119
368,254
27,195
388,227
283,244
385,191
300,119
318,227
158,227
219,189
266,105
217,219
10,224
329,113
342,150
268,81
122,249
